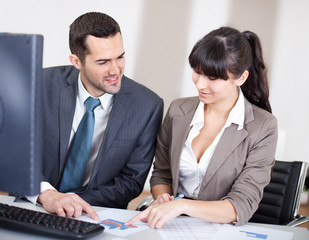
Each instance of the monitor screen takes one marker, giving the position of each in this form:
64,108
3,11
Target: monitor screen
20,113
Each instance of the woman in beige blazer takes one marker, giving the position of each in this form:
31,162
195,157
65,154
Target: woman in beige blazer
218,148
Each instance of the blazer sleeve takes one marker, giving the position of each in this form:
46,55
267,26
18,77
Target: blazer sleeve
247,190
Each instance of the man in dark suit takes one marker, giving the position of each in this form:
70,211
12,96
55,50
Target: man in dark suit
126,122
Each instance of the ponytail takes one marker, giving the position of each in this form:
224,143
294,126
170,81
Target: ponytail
255,89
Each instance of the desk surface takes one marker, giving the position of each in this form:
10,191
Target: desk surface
149,234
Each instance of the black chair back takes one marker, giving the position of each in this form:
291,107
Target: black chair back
280,203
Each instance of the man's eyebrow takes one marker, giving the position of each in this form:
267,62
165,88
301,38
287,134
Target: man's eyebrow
121,55
106,60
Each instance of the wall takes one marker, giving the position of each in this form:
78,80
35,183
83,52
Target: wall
159,35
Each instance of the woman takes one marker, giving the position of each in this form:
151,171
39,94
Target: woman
218,148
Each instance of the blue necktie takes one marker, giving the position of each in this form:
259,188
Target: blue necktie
74,171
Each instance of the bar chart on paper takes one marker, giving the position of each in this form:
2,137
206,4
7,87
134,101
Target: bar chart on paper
113,220
250,232
188,228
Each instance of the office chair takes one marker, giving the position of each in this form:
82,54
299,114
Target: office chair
281,199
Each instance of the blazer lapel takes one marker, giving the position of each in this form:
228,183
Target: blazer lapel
119,110
67,109
230,139
180,130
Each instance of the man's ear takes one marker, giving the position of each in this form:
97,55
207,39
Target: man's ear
75,61
243,78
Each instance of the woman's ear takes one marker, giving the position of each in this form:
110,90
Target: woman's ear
243,78
75,61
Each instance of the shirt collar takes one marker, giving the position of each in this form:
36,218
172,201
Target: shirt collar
237,114
199,115
106,99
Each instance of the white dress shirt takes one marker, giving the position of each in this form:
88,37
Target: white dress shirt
102,113
191,173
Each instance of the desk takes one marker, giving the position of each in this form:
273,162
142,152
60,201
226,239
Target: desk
149,234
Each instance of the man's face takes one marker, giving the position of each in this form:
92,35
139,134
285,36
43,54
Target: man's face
103,67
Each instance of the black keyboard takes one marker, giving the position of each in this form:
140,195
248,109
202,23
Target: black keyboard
47,224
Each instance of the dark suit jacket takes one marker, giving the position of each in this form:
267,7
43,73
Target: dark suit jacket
240,166
128,146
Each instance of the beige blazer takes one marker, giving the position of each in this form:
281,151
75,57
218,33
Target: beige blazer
240,167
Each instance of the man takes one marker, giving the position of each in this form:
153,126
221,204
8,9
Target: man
127,120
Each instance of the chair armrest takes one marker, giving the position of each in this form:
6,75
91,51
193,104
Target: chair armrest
300,219
145,203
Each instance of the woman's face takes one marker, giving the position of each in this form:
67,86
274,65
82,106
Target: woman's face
215,91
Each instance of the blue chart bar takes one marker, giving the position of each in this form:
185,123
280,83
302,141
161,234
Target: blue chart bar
112,224
255,235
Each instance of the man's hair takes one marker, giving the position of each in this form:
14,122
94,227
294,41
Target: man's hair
93,23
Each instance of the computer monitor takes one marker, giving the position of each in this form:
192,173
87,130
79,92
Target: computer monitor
20,113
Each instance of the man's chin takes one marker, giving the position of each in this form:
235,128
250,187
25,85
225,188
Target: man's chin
113,89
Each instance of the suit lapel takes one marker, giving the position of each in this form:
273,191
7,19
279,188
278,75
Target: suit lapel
120,107
180,130
230,139
67,109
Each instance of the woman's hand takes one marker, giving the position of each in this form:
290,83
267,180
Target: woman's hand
165,197
156,215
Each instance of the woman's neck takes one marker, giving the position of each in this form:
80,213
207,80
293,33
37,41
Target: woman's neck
222,108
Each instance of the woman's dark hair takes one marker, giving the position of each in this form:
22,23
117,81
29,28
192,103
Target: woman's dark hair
93,23
226,50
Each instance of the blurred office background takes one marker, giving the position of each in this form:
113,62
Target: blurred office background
159,35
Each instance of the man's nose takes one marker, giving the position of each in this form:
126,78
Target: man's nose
114,68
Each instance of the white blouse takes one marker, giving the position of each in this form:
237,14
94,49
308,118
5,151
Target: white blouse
191,173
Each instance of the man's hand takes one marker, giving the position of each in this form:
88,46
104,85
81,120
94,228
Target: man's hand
65,205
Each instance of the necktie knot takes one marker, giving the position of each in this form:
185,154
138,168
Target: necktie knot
91,103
